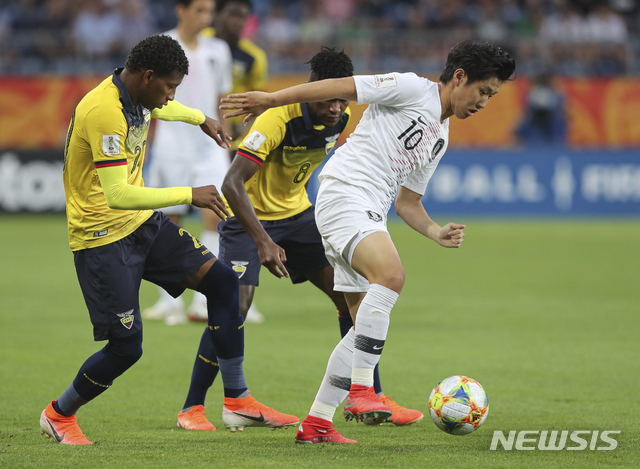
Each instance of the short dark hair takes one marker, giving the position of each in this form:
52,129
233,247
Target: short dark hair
220,4
159,53
329,63
184,3
480,61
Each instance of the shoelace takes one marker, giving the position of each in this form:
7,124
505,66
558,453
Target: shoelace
70,427
197,417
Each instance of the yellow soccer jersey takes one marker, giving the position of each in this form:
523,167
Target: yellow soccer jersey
106,130
289,148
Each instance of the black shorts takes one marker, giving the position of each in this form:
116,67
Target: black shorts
297,235
158,251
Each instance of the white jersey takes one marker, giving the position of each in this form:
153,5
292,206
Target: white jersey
209,77
399,140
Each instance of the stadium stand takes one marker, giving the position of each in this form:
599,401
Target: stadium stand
562,37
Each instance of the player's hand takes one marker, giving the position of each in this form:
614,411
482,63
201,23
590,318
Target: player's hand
251,103
273,258
209,197
215,130
451,235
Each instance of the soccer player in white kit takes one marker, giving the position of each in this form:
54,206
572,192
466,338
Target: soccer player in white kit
182,157
392,154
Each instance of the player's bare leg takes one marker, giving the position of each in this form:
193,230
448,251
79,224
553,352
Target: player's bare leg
376,259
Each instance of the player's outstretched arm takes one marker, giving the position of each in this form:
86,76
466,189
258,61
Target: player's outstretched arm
254,103
121,195
271,255
177,112
409,207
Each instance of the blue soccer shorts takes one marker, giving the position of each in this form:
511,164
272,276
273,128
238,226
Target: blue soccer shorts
158,251
297,235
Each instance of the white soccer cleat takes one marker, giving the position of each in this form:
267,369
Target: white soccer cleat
162,309
253,315
244,412
197,312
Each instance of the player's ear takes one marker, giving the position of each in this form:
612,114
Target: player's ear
458,76
147,76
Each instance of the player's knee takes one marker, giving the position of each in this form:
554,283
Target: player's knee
392,279
220,282
127,350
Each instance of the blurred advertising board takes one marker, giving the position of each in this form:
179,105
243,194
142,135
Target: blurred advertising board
536,182
31,181
35,111
545,182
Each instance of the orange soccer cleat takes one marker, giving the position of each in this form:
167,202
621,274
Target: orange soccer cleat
363,403
63,429
401,415
194,419
247,412
317,430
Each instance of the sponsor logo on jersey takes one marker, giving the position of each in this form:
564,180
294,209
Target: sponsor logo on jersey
386,81
239,267
98,234
333,138
374,216
329,146
437,148
254,140
110,144
127,318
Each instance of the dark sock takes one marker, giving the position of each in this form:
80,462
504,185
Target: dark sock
96,374
205,370
346,323
226,325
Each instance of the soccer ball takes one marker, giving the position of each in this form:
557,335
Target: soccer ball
458,405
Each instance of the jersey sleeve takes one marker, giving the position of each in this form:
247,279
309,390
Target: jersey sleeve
419,180
175,111
391,89
265,135
105,130
121,195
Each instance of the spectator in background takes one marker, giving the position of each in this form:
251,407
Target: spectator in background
544,121
136,22
97,29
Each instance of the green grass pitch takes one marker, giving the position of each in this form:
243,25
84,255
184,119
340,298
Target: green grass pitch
545,314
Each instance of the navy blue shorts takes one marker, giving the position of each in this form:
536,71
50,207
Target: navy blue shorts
158,251
297,235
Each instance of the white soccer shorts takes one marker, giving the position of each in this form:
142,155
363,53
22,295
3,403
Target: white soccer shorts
345,215
179,171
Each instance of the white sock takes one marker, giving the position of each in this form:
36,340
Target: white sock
211,239
336,382
169,300
372,324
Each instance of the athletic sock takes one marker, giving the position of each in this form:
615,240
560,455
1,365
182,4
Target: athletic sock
337,379
226,328
205,370
372,325
97,373
211,239
346,323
